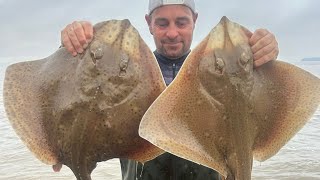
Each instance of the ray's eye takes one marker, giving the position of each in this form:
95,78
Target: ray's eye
96,50
219,65
244,59
124,60
97,53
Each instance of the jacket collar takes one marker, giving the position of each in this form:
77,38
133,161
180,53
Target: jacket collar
166,60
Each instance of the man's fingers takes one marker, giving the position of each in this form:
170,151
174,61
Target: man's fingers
74,39
266,47
263,42
257,35
67,43
79,32
266,58
88,30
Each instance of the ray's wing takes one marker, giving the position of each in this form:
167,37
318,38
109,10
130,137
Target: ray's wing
285,99
184,119
22,104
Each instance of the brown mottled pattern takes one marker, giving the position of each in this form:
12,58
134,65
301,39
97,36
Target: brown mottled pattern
220,112
82,110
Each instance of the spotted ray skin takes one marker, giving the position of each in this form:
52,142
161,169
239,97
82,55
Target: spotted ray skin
82,110
222,113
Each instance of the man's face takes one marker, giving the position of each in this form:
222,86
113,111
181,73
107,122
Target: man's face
172,29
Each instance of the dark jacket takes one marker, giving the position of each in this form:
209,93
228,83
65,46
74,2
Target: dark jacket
166,166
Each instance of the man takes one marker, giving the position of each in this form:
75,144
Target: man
171,23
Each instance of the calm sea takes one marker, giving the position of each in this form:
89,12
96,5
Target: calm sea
299,159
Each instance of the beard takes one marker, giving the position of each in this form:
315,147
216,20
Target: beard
173,49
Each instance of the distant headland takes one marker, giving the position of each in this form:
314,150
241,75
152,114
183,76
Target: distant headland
311,59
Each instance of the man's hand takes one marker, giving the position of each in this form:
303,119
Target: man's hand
76,36
264,46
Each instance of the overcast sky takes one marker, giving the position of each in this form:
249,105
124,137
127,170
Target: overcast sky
31,28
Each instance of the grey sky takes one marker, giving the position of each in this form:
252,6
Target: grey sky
31,28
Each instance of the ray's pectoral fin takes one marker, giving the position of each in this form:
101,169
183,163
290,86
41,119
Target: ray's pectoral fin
177,122
285,98
20,91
